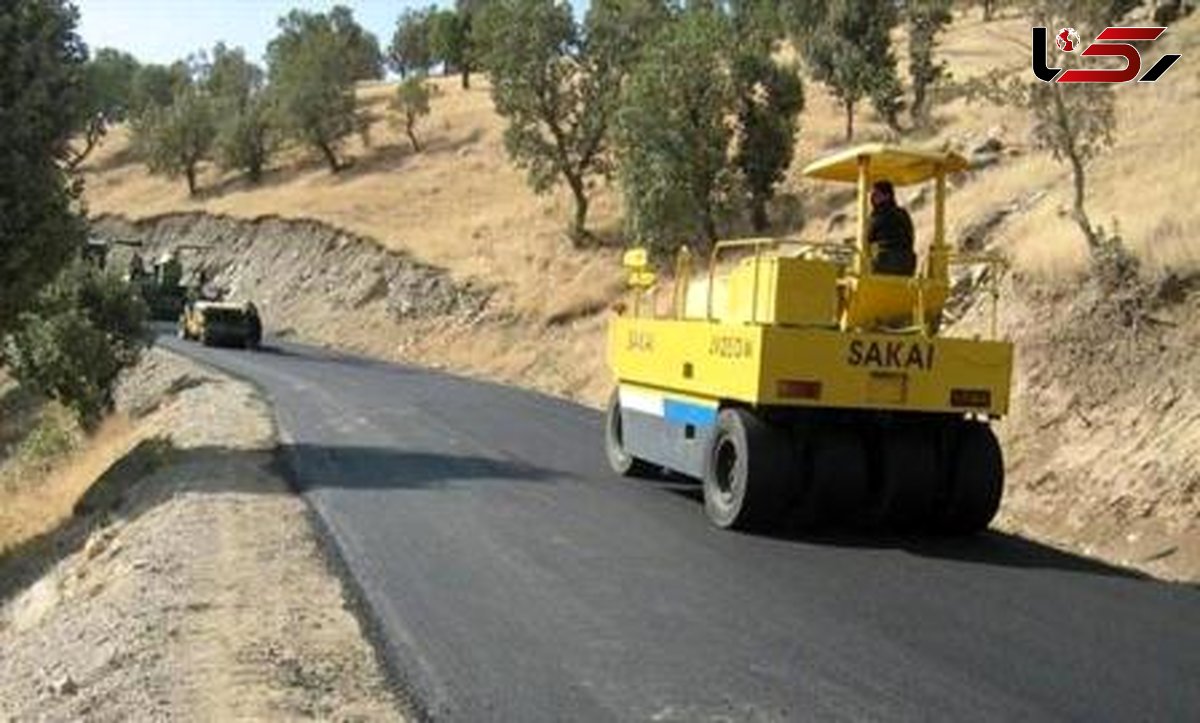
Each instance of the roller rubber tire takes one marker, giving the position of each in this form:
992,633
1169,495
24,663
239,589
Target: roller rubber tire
838,477
621,461
976,481
909,477
746,472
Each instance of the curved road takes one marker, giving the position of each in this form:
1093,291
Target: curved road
511,577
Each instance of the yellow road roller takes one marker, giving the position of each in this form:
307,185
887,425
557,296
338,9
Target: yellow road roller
798,382
221,323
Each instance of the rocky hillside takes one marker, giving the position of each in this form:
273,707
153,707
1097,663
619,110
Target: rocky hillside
309,278
1102,442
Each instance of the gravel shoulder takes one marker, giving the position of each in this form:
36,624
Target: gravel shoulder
189,584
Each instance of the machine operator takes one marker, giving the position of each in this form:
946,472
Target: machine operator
891,230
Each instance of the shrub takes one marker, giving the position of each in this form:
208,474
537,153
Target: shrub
84,328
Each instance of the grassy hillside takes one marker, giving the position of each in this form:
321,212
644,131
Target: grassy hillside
460,204
1088,367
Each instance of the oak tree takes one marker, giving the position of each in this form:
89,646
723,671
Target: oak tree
557,83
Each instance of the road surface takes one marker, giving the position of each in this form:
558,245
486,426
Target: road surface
511,577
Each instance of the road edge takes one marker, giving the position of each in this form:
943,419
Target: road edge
409,697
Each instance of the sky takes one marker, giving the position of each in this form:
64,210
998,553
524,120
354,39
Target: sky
162,31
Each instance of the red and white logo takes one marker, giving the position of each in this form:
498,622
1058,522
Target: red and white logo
1111,42
1067,40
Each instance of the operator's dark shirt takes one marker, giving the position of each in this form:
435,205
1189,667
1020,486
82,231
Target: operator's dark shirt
892,232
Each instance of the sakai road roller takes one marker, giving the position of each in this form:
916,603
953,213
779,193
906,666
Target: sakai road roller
795,381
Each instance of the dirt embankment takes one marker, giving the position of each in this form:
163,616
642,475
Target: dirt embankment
308,278
329,286
1103,440
188,584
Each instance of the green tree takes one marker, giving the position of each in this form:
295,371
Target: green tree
887,98
850,51
59,329
109,79
558,83
926,19
245,136
770,97
152,87
769,100
229,76
412,46
173,140
412,102
448,43
760,22
674,133
42,87
359,48
155,86
312,71
472,50
800,18
85,327
1073,121
108,84
246,139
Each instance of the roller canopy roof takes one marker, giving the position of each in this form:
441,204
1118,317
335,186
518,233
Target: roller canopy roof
901,166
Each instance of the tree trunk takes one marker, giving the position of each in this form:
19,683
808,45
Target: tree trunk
758,212
466,77
708,224
330,157
1078,211
579,222
1078,174
91,138
920,114
190,172
849,121
409,128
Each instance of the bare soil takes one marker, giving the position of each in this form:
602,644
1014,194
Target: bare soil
1101,445
189,584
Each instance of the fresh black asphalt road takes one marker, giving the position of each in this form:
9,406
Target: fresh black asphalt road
512,577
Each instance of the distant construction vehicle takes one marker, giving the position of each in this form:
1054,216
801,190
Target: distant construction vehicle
803,384
221,323
163,285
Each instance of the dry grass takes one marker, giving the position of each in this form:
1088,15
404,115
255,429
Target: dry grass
38,494
1145,186
458,204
